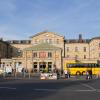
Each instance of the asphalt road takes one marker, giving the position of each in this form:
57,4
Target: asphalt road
50,90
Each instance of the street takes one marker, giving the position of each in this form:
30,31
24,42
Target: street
30,89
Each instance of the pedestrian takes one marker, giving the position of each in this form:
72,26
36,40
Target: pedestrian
98,74
58,74
66,73
87,74
23,71
90,74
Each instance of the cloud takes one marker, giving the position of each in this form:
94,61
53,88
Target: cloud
20,19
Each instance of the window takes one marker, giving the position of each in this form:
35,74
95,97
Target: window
99,54
84,56
76,49
76,57
35,41
20,63
57,41
35,54
49,66
46,41
67,49
11,50
67,56
49,54
84,49
19,52
0,47
35,66
50,40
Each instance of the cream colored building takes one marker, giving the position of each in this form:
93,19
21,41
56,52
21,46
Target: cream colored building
77,50
48,50
95,48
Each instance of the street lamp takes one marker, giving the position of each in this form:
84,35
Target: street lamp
0,60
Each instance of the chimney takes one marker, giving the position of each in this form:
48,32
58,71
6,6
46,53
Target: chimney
80,36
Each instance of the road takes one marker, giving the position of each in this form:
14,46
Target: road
50,90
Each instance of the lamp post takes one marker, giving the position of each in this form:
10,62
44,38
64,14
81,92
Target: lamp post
0,59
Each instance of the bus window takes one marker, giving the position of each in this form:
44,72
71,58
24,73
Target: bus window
68,66
98,65
94,65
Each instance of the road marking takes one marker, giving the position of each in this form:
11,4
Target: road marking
56,90
90,87
45,89
97,90
7,88
85,90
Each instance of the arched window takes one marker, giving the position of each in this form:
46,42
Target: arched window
84,49
76,49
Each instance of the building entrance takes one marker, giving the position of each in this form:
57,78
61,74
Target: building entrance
42,66
45,66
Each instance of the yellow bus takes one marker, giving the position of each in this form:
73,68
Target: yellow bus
79,68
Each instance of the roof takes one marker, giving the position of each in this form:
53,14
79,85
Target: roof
4,42
19,41
95,38
77,41
45,32
42,46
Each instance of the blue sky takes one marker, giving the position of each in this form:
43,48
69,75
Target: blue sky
20,19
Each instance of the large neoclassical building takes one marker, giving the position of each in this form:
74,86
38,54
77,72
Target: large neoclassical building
48,50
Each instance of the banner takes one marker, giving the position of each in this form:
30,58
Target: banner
42,54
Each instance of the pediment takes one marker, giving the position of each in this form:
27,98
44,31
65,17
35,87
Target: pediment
47,34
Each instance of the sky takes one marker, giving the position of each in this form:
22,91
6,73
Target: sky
20,19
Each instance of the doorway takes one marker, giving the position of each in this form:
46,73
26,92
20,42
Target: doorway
42,66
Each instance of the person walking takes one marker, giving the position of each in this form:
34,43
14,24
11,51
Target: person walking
87,75
90,74
98,74
66,73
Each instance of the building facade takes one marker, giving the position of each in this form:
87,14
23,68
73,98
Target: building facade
5,49
47,51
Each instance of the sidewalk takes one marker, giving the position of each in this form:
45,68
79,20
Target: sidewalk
77,78
38,78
